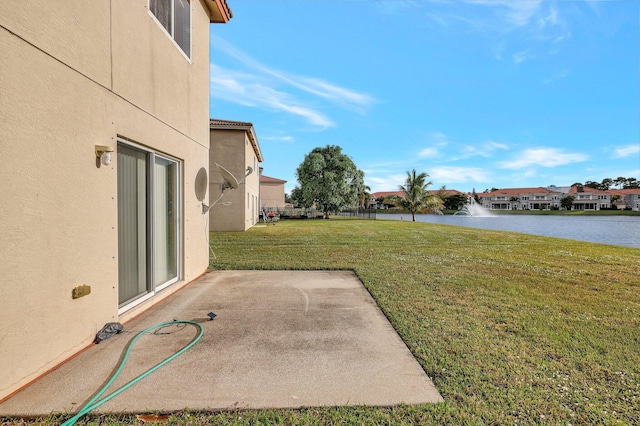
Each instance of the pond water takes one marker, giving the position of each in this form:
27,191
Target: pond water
616,230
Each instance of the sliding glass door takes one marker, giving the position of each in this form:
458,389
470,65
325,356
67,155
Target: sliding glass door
165,222
132,224
148,223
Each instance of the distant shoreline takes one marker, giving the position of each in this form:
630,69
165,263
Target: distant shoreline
538,212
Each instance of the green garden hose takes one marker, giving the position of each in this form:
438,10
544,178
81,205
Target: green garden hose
96,402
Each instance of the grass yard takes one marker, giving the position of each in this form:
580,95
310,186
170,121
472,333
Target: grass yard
512,328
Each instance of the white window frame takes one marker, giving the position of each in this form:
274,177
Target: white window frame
171,32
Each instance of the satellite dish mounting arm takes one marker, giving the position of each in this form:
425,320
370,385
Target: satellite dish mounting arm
229,181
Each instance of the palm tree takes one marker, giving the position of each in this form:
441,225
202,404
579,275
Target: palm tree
433,204
364,196
415,196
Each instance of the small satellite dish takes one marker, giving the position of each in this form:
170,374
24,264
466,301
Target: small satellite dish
230,180
202,181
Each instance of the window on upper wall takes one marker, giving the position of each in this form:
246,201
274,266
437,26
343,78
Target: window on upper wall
175,17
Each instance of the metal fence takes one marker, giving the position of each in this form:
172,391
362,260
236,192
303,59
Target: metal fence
293,213
361,213
302,213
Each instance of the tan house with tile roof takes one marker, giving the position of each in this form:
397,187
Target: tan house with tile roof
382,194
630,197
271,193
103,110
589,198
538,198
234,146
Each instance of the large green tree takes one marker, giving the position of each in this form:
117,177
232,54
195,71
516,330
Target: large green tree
329,180
415,197
567,202
455,201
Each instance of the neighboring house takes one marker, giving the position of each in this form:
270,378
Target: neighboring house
521,199
444,192
271,193
630,198
103,113
234,146
383,194
586,198
387,196
540,198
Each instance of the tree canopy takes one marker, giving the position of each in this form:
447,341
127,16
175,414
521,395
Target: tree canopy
455,201
567,202
328,180
608,183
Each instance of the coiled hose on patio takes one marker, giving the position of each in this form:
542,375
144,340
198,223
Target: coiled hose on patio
95,402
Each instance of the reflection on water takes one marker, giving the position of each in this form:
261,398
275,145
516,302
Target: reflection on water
616,230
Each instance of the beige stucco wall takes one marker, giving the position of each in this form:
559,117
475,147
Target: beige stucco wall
272,195
67,84
251,186
237,210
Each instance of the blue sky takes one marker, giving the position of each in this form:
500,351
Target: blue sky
476,93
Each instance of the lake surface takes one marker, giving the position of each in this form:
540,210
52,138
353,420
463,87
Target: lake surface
616,230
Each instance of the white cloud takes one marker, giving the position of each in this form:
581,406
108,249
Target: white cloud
484,149
448,174
626,151
278,138
542,157
438,138
430,152
250,90
435,140
550,19
384,183
394,7
341,96
522,56
516,12
557,76
537,23
520,12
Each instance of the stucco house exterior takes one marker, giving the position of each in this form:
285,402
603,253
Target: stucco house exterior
521,199
104,108
271,193
540,198
589,198
630,197
235,147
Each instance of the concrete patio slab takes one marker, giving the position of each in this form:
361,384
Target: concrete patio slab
280,339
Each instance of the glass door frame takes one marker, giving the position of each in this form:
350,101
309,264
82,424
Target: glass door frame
151,237
178,221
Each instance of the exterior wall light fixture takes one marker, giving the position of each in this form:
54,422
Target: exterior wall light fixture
103,152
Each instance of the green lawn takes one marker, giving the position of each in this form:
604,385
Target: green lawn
512,328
